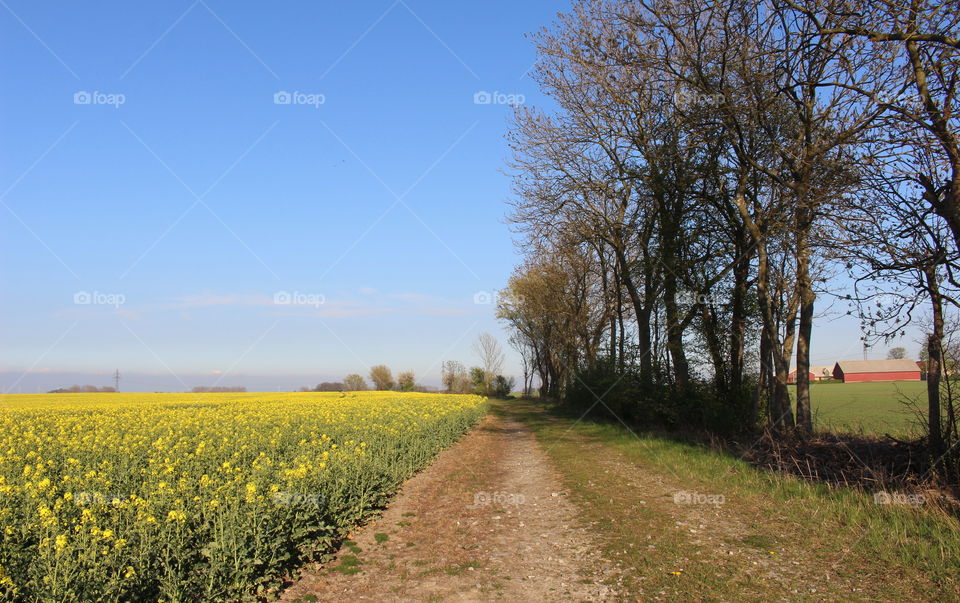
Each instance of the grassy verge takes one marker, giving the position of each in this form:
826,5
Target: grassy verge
683,521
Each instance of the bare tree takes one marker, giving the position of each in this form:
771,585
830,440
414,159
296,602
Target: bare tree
454,377
491,358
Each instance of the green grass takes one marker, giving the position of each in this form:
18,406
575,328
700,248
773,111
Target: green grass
868,408
774,525
349,564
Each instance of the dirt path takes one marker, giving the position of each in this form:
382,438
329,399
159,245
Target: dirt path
487,520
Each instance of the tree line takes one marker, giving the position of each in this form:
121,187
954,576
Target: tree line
707,174
485,380
85,389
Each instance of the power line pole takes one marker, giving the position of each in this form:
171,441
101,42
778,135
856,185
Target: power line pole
116,380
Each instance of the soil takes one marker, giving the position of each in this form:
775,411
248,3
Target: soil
488,520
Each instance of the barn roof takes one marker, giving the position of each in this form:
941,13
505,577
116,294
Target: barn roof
878,366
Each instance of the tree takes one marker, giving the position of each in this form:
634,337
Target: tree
478,379
520,343
354,383
329,386
917,41
406,382
454,377
491,358
897,353
382,377
702,169
502,386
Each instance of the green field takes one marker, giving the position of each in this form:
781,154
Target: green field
869,408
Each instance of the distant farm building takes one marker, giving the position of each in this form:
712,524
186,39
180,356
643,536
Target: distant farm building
850,371
817,373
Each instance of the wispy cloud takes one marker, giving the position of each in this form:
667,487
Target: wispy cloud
206,300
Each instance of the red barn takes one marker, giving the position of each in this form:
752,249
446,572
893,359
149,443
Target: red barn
851,371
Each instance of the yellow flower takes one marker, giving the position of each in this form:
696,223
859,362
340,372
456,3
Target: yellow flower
65,458
5,579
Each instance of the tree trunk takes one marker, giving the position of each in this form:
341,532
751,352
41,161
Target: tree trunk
779,399
805,330
934,367
949,207
738,319
643,315
681,368
711,336
764,389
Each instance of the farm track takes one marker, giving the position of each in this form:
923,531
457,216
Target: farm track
488,520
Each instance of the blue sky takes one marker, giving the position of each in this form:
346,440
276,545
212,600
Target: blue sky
159,195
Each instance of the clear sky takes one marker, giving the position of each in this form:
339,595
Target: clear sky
257,194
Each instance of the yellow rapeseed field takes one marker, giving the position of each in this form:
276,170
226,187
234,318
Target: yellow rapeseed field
183,497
